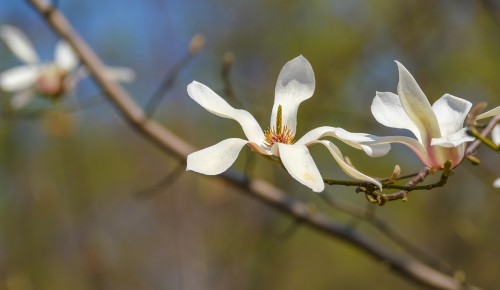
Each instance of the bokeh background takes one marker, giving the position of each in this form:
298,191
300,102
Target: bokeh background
71,212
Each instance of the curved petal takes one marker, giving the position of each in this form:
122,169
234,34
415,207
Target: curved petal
213,103
316,134
388,111
451,113
453,140
215,159
18,78
295,84
299,163
19,44
490,113
360,141
349,170
121,74
416,105
65,57
413,144
495,135
21,98
363,142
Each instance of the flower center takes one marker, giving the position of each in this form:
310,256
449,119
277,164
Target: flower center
279,134
52,82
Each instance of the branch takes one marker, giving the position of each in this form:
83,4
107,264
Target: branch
409,268
471,149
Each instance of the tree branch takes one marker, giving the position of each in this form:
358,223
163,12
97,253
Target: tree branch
409,268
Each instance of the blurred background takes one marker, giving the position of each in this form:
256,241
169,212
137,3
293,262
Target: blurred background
73,210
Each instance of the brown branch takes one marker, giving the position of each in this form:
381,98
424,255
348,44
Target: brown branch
409,268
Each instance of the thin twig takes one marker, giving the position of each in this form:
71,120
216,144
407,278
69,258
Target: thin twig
471,149
369,217
171,75
164,184
409,268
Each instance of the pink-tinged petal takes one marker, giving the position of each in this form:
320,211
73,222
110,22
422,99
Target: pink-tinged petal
213,103
495,135
453,140
295,84
416,106
440,154
349,170
299,163
496,183
19,44
217,158
21,99
121,74
451,113
490,113
360,141
65,57
388,111
411,143
18,78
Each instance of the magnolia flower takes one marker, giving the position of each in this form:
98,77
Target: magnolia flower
52,79
295,84
495,135
439,128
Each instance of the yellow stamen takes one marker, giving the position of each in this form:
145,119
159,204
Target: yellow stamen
279,120
279,134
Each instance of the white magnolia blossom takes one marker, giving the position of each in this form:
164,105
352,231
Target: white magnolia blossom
495,136
295,84
49,79
439,128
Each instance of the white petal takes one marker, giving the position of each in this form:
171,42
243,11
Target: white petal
18,78
364,142
316,134
388,111
295,84
19,44
416,105
490,113
413,144
65,57
451,113
217,158
453,140
360,141
495,135
299,163
349,170
21,98
213,103
121,74
496,183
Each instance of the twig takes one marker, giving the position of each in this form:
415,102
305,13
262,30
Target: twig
227,64
408,267
369,217
195,46
165,183
471,149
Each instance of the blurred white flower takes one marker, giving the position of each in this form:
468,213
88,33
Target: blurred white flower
439,128
495,136
295,84
51,79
